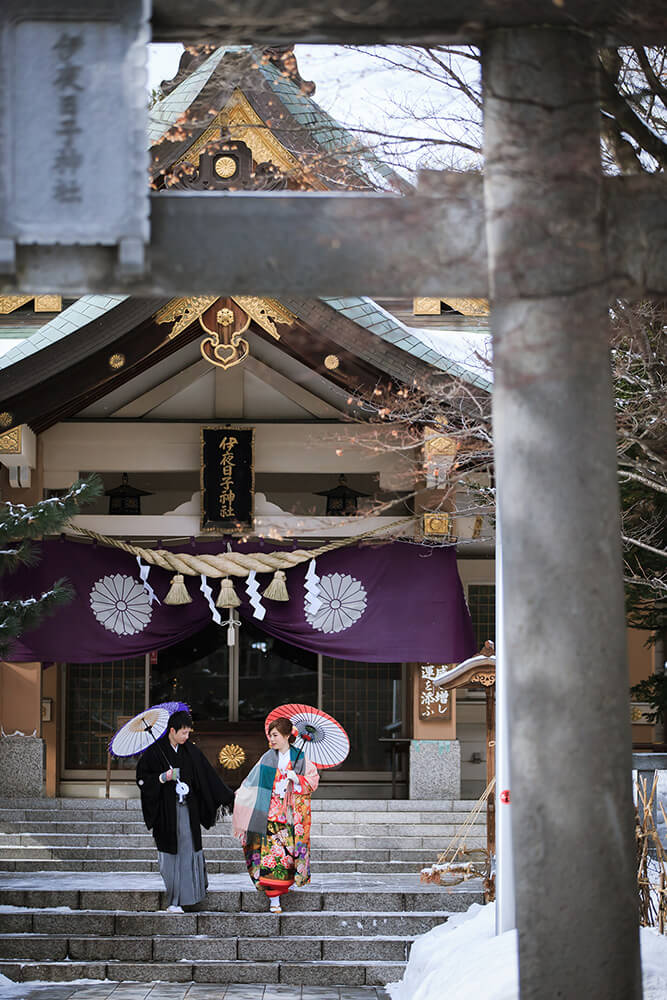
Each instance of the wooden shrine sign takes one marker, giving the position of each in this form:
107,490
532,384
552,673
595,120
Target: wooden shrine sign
227,478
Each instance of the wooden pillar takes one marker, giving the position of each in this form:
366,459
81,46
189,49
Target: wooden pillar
490,691
559,515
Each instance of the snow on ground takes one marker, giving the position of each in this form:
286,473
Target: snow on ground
466,954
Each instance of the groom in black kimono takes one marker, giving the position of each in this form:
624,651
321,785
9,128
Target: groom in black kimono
180,793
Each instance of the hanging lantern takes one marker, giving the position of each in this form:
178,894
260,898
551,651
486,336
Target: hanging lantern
342,499
125,499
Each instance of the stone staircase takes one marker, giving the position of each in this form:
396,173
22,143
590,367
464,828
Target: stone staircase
80,897
370,836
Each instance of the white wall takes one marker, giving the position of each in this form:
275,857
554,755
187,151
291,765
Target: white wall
156,447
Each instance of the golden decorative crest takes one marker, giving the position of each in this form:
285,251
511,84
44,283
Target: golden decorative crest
426,307
467,307
6,420
10,442
266,313
183,311
221,347
43,303
241,121
437,525
232,756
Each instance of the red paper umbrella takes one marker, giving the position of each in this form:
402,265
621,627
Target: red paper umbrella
322,740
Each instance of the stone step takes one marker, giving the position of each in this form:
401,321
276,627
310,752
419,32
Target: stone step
337,836
170,948
150,903
213,867
317,973
126,806
333,849
160,923
353,929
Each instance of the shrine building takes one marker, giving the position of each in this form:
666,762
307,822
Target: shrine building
262,430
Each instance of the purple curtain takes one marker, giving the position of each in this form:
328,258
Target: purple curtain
386,603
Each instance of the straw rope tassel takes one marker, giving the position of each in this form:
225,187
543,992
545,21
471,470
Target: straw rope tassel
227,598
178,592
277,589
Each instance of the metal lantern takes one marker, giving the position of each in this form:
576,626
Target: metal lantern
342,499
125,499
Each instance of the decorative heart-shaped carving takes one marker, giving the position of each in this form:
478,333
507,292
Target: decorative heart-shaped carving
225,355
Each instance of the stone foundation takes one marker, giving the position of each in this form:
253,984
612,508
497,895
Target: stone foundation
435,769
21,766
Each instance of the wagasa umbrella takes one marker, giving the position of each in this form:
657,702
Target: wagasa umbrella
145,728
323,740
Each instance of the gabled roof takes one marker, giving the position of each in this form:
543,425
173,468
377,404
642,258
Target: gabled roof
371,341
79,314
330,152
167,112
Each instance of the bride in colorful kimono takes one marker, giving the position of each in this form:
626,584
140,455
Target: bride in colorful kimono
272,815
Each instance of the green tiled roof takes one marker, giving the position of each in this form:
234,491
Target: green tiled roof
80,313
167,111
377,320
324,129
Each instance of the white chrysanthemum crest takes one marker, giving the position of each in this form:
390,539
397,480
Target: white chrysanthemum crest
342,603
121,604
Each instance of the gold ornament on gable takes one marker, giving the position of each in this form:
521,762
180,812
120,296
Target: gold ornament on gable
10,441
266,313
239,120
225,346
183,311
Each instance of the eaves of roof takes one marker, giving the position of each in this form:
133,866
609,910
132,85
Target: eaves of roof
377,320
78,315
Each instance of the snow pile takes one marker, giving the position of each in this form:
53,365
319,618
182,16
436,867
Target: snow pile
465,954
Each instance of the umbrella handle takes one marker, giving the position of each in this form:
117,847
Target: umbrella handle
300,751
149,729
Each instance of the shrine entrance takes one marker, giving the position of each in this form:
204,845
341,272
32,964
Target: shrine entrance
231,690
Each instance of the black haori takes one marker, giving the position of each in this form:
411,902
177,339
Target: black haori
158,801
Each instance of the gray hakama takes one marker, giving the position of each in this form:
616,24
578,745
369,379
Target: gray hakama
184,874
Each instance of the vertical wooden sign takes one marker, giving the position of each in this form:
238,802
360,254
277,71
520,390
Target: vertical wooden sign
227,478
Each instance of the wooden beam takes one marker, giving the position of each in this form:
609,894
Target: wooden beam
340,244
422,22
296,393
142,405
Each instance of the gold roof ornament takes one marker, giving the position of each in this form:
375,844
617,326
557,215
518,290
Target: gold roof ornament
43,303
466,306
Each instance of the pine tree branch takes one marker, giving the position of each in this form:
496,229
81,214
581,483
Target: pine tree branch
48,517
23,615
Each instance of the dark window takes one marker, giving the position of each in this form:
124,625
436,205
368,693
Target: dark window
366,698
482,604
195,671
272,673
100,696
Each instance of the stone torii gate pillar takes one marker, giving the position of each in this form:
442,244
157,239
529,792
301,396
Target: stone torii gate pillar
558,504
